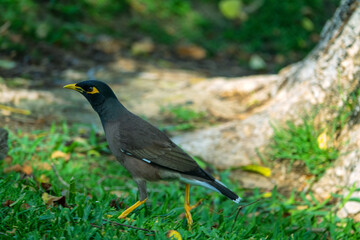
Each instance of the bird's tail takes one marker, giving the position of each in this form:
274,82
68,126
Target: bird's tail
225,191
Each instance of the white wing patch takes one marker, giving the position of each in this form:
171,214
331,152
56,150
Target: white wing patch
127,153
145,160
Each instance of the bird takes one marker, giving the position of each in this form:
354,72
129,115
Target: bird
146,152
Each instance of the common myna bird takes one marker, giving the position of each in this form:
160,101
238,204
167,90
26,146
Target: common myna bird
145,151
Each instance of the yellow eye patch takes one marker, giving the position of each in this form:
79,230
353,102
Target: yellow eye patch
93,90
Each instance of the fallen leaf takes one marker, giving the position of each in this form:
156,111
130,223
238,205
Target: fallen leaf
60,154
302,207
173,234
267,195
44,166
44,179
27,169
45,186
322,141
215,225
117,203
7,203
53,200
191,51
14,168
258,169
12,231
142,47
25,206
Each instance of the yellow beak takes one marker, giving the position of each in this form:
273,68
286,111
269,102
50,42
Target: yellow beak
74,87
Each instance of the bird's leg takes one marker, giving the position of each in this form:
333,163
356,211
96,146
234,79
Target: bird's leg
142,195
187,206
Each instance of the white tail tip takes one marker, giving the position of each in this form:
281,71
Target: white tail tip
237,200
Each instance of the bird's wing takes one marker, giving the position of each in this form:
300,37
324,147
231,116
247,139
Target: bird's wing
153,146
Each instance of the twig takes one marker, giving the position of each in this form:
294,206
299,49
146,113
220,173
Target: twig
128,226
314,230
239,209
58,176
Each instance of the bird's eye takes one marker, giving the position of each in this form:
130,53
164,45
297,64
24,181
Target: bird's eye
90,89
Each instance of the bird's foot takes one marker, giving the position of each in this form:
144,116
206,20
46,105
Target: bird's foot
195,205
132,208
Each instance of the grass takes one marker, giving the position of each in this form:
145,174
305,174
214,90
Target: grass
300,143
183,118
314,143
97,190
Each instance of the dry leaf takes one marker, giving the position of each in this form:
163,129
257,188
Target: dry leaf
27,170
173,234
322,141
25,206
142,47
14,168
12,231
302,207
7,203
44,166
267,195
191,51
52,200
117,204
45,186
60,154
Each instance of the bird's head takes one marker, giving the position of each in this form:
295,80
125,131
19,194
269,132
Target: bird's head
96,92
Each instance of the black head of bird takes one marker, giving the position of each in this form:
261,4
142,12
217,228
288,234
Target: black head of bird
146,152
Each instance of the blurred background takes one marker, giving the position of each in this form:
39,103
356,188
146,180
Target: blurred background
221,38
143,47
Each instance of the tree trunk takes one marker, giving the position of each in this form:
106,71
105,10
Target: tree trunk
333,64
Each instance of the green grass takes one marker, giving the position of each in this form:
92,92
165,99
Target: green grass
299,143
183,118
96,180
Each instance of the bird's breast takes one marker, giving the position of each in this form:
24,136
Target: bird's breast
113,138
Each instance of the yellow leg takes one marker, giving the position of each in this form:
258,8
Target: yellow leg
132,208
187,206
